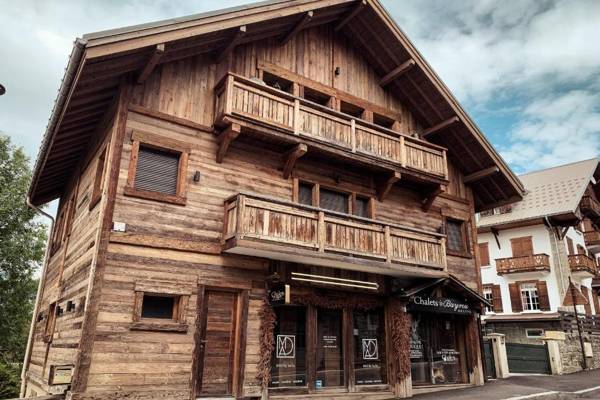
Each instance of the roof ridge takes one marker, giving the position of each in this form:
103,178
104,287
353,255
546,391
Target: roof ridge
559,166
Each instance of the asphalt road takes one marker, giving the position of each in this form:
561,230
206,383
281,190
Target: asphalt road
562,387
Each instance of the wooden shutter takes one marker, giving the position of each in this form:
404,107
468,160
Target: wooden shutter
484,253
334,201
157,171
570,247
542,289
522,246
497,298
596,298
515,297
588,306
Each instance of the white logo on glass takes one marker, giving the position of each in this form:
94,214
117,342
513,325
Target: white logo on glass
286,346
369,349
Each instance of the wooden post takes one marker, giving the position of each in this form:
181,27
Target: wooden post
296,117
402,152
321,232
266,217
353,133
443,245
445,164
388,243
240,218
228,107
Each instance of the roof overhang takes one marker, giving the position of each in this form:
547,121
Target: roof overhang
101,61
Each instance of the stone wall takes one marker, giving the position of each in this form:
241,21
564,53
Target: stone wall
570,352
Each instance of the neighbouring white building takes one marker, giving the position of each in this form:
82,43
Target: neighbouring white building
539,256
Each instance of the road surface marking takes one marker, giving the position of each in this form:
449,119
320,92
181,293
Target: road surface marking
587,390
529,396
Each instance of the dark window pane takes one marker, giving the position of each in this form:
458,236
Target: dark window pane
369,348
305,194
455,236
334,201
288,363
157,171
362,207
157,307
330,349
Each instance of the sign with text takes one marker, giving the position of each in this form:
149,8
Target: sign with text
440,305
279,294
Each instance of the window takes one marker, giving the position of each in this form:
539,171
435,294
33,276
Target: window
288,362
305,193
383,121
158,168
369,347
361,207
98,179
351,109
488,295
50,322
522,246
160,311
333,200
456,237
534,333
277,82
529,297
316,97
484,254
313,194
155,306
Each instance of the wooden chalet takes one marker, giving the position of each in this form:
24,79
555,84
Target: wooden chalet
269,201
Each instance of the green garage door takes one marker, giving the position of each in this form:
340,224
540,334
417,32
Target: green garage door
528,358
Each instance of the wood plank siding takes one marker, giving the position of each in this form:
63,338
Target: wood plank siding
217,244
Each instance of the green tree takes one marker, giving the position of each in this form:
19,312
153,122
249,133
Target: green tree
22,239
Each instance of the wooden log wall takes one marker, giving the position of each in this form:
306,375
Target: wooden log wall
168,245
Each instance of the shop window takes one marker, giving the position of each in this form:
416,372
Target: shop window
529,297
351,109
316,97
277,82
436,350
158,169
456,232
288,362
369,348
383,121
98,179
489,296
534,333
333,200
330,349
522,246
484,254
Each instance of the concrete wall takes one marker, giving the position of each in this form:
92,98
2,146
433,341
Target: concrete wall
516,332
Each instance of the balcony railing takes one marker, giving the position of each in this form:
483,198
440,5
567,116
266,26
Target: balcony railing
239,97
277,229
581,264
591,238
512,265
590,206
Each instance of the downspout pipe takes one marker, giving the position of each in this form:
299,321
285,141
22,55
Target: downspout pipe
38,296
560,267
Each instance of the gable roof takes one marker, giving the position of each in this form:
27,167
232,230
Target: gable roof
550,192
99,62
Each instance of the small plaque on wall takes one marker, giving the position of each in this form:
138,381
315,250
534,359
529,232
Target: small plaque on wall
279,294
61,374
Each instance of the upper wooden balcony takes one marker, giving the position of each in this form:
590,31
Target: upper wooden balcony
280,230
582,266
592,240
513,265
590,207
255,107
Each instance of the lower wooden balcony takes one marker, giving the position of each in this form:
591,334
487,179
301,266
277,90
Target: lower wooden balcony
582,266
513,265
592,241
280,117
280,230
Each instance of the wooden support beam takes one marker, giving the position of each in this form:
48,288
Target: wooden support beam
428,201
361,4
301,24
484,173
291,157
397,72
385,186
438,127
235,40
225,139
159,51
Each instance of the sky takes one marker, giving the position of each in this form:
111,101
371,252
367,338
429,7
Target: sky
526,71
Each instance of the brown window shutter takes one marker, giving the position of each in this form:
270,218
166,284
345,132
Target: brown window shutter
157,171
570,247
542,289
497,298
484,253
596,298
515,297
588,306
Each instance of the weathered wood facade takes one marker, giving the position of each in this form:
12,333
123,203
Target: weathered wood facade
297,161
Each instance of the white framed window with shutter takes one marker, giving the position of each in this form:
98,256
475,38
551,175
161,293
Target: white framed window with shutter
157,168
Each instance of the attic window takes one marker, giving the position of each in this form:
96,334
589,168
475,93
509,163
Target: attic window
158,168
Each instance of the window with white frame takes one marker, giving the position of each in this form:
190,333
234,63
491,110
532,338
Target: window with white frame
534,333
487,294
529,297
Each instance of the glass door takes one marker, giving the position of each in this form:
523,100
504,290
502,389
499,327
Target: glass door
288,363
369,347
330,349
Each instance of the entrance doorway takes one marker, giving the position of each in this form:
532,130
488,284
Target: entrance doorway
218,349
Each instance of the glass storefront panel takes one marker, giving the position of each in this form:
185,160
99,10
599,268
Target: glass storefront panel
369,348
288,363
330,349
434,349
